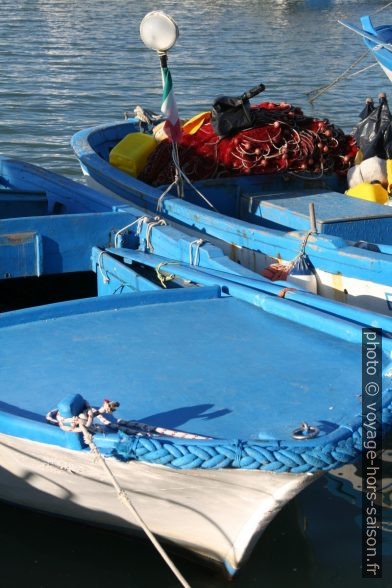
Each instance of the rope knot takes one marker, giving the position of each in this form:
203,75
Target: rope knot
162,277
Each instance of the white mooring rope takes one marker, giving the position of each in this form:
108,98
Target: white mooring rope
139,221
382,8
179,176
194,259
314,94
124,498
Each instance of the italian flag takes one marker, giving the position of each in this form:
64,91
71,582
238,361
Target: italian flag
169,107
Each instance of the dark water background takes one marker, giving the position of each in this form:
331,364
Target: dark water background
65,65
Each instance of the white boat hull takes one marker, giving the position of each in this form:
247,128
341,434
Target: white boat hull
216,514
361,293
387,71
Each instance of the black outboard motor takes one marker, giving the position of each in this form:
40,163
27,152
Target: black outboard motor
232,114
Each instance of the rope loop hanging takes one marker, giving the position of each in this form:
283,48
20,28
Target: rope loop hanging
194,258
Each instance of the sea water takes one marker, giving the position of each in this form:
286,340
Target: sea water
67,65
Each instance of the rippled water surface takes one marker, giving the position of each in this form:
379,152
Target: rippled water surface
70,64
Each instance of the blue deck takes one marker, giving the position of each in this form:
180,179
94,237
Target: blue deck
349,218
230,360
184,359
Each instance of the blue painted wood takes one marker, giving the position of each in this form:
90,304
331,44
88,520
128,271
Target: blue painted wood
78,218
327,252
383,54
55,244
20,254
377,39
115,278
68,240
348,218
210,376
200,358
64,195
15,203
255,291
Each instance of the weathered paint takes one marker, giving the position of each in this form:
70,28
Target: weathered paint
20,254
339,290
63,243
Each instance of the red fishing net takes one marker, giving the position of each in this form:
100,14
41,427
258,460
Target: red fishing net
283,140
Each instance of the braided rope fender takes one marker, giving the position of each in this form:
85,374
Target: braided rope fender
272,457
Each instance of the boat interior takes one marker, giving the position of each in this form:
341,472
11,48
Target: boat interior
284,205
52,241
45,247
279,201
50,253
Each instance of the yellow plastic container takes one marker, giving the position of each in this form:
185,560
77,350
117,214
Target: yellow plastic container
389,173
131,153
371,192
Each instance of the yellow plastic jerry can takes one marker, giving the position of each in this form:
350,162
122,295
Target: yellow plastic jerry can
371,192
131,153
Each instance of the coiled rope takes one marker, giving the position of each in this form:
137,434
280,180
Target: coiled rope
273,456
150,224
302,251
105,276
80,424
157,221
162,196
139,221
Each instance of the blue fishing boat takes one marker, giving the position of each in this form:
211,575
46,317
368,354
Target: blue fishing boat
62,240
49,225
166,392
251,178
378,40
201,445
261,220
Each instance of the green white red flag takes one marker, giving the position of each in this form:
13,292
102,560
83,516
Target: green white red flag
169,109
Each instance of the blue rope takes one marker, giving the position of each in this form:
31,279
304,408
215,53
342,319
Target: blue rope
274,457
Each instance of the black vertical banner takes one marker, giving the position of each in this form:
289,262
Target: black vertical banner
371,448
